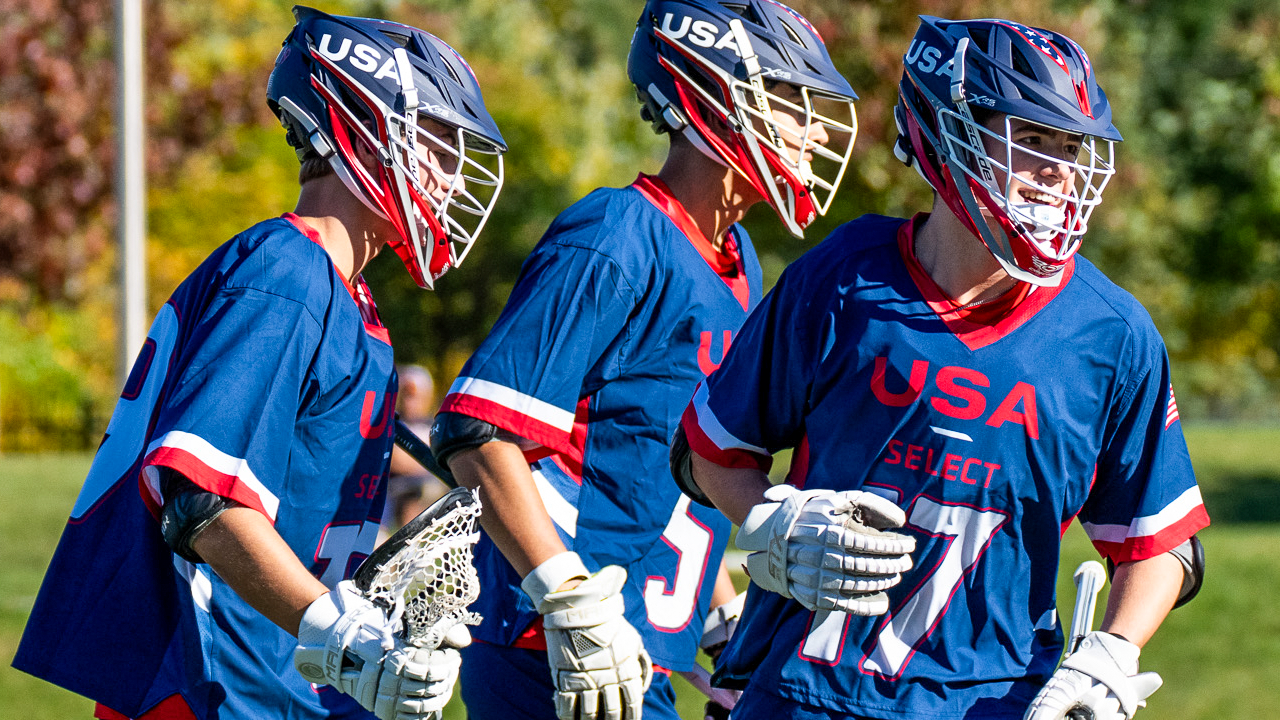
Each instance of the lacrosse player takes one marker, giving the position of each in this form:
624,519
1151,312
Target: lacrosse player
594,565
963,380
240,480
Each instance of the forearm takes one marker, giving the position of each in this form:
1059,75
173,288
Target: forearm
1142,594
514,516
724,591
733,490
243,548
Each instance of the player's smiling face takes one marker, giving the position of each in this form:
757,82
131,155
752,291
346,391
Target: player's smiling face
1042,158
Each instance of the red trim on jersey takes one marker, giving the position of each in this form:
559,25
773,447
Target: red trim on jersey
727,262
1093,479
361,295
192,468
980,325
173,707
799,471
534,637
569,446
700,443
1149,546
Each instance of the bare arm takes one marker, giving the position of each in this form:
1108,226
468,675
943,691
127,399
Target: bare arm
1142,594
733,490
243,548
514,516
724,591
402,464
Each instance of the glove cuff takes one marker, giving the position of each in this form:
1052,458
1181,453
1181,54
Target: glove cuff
318,618
551,574
716,629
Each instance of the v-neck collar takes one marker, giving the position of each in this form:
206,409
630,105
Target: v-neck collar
980,325
726,263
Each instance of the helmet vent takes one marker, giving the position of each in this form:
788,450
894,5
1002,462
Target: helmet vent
795,38
746,11
1021,65
448,66
397,38
981,37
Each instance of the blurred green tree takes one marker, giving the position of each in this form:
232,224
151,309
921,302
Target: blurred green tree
1189,225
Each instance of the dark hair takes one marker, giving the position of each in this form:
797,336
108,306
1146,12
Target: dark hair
313,167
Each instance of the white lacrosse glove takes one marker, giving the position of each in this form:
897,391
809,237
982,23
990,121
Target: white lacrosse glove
597,660
1100,678
721,623
347,642
827,549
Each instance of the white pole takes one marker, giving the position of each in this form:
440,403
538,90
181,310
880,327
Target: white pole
131,183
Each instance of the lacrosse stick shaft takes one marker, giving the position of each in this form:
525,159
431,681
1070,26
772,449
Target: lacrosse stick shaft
1089,577
700,679
408,441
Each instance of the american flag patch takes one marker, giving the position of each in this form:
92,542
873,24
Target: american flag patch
1171,413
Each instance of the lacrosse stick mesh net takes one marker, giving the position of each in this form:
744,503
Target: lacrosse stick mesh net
428,584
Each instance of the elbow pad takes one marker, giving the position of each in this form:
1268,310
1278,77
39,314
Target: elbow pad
453,432
682,468
188,509
1191,555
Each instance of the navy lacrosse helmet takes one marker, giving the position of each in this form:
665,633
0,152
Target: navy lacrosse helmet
956,74
750,84
414,103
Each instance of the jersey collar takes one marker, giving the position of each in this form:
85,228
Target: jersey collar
727,262
980,325
359,293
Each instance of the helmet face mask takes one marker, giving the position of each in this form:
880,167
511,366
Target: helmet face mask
1052,225
398,115
1028,83
727,76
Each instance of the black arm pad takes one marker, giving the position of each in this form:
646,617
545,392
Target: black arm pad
188,509
1191,553
452,432
682,468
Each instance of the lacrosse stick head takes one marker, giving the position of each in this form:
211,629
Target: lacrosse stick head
423,575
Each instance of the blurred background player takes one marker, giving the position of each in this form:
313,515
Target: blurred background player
240,479
592,562
968,367
410,488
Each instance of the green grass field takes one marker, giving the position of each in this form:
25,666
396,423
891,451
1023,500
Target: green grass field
1219,656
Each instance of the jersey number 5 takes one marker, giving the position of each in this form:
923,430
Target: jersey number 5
670,604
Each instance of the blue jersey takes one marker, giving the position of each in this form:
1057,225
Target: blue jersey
619,312
265,378
991,430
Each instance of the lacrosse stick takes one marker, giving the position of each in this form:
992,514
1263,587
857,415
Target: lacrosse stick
700,679
417,449
422,575
408,441
1089,577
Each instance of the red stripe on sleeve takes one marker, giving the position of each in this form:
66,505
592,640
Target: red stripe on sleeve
732,458
192,468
